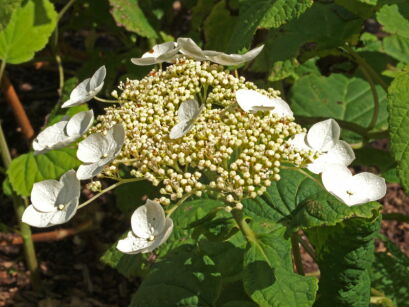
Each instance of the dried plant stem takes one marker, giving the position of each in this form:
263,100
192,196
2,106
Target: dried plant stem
25,231
17,107
297,254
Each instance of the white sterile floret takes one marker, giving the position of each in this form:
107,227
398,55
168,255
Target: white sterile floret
64,132
252,101
87,89
232,59
53,202
188,112
98,149
353,189
165,52
190,48
323,137
150,228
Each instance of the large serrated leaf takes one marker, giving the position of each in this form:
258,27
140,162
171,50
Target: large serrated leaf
265,14
186,277
397,47
338,97
390,274
29,168
344,253
28,31
7,8
268,275
305,35
398,108
128,14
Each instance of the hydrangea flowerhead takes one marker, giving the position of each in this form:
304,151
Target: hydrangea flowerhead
53,202
64,132
87,89
150,229
98,149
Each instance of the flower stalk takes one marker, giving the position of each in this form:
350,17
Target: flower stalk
25,231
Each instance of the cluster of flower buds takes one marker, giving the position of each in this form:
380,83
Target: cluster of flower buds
190,128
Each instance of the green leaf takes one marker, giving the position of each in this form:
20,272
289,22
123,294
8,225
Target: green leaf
398,108
345,253
28,31
29,168
338,97
397,47
365,10
7,8
268,275
218,27
297,202
184,278
394,18
390,274
264,14
131,195
304,37
128,14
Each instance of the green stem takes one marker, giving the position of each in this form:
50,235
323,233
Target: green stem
25,231
395,217
65,8
244,226
106,100
111,187
375,98
2,68
181,201
297,254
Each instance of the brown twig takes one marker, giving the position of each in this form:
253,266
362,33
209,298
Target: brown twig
55,235
12,98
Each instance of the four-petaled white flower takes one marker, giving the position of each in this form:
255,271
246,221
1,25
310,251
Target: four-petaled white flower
190,48
150,228
87,89
252,101
64,132
98,149
188,112
353,189
53,202
165,52
324,138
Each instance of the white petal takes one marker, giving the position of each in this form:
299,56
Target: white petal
180,130
188,110
36,218
79,123
341,153
70,191
188,47
63,216
52,137
148,220
252,101
298,142
158,54
97,81
91,149
116,138
132,244
232,59
144,61
44,195
79,95
161,238
323,135
87,171
353,190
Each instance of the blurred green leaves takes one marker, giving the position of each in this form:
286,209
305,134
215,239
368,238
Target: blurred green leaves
28,31
7,8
